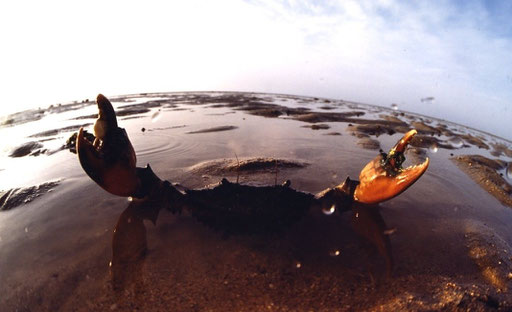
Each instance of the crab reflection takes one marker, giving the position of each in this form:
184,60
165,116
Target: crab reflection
129,246
129,242
368,223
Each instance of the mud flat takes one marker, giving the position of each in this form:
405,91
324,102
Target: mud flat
484,171
67,245
29,148
246,165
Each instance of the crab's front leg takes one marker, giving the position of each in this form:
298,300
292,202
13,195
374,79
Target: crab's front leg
110,159
384,178
381,179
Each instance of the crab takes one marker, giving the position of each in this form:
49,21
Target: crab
110,161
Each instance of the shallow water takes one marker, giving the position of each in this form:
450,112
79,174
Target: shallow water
447,239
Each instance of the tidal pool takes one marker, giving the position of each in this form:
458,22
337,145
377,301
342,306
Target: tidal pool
66,244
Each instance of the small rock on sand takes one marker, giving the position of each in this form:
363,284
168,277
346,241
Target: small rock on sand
317,126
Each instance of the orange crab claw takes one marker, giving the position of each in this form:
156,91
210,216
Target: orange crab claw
384,178
110,160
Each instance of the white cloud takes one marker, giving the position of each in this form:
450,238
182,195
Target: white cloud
396,52
375,52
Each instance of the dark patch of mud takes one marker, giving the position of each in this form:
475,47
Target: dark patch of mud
443,129
499,149
29,148
214,129
368,143
254,105
483,171
495,164
265,112
220,114
121,113
271,110
21,118
422,128
36,114
60,130
316,117
166,128
18,196
91,116
132,117
360,135
391,118
132,111
140,106
426,141
262,106
122,99
377,129
246,165
478,142
326,107
152,104
317,126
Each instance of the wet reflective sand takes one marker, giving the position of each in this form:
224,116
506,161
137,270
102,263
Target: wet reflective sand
65,244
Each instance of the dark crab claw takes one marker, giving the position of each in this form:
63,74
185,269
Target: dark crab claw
384,178
110,160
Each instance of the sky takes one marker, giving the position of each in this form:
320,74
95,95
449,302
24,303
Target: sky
374,52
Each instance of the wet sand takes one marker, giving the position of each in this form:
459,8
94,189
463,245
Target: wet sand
444,244
485,172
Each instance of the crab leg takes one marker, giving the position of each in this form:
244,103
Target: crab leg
110,160
384,178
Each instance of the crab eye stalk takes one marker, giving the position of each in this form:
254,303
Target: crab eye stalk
384,178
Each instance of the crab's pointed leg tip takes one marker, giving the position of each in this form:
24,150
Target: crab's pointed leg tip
409,135
103,102
377,185
106,112
401,145
425,163
101,98
79,138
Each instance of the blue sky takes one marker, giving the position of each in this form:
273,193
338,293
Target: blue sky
376,52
